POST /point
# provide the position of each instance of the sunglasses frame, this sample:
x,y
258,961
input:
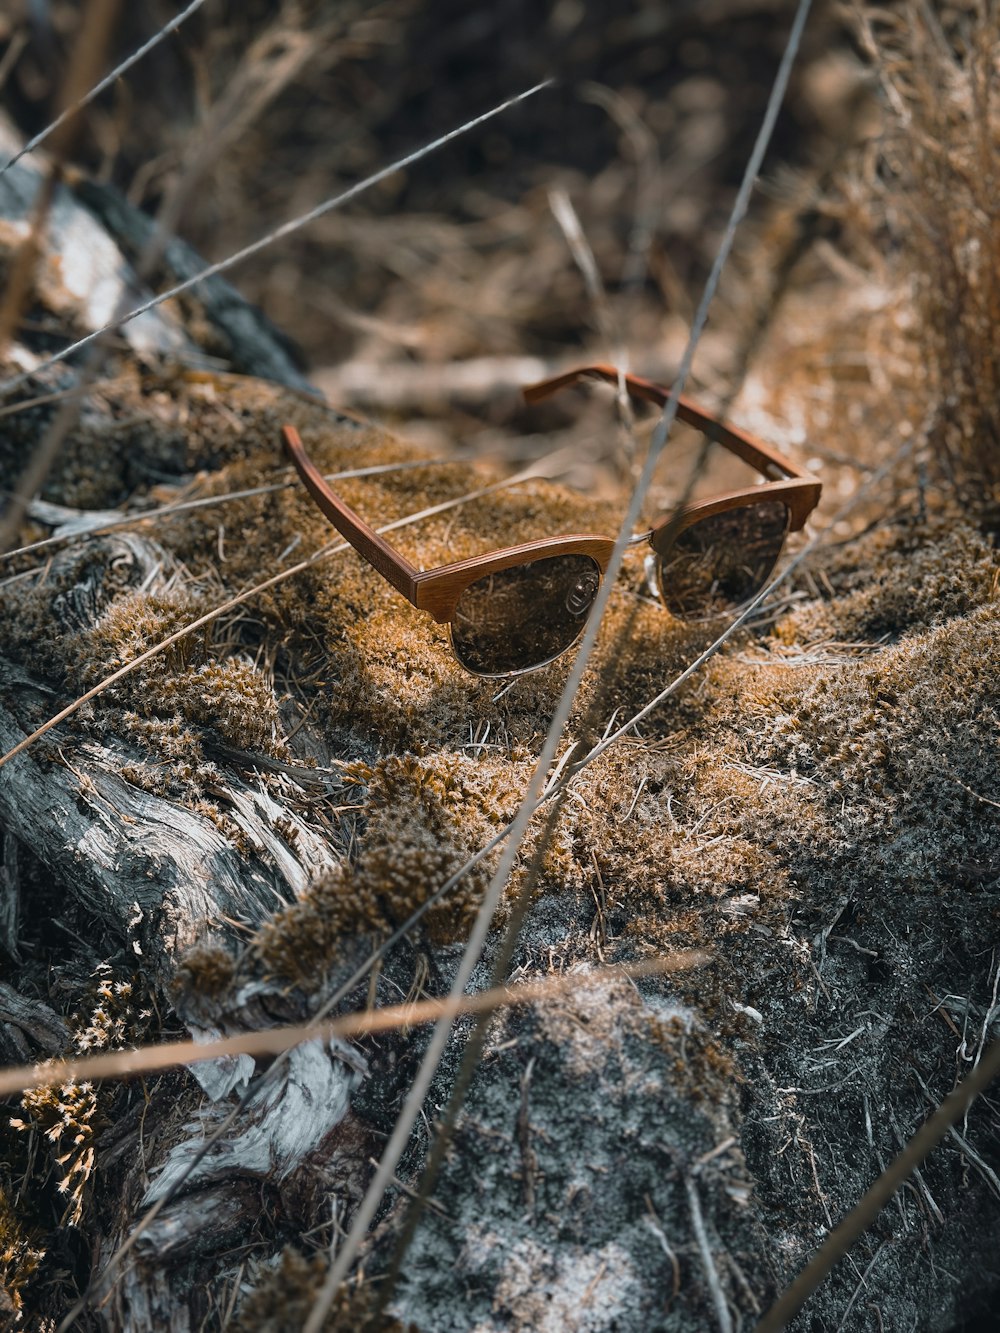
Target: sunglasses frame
x,y
437,591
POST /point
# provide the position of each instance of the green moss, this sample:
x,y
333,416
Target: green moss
x,y
904,575
420,820
204,975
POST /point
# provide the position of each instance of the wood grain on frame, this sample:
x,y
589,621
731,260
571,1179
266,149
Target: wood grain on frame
x,y
438,590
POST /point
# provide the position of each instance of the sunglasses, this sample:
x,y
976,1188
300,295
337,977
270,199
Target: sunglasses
x,y
518,609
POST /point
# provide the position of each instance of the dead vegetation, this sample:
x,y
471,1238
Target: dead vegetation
x,y
815,809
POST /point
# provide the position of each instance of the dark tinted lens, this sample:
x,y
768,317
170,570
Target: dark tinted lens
x,y
524,617
716,565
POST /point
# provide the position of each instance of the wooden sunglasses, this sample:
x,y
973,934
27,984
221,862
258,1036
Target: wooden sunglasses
x,y
520,608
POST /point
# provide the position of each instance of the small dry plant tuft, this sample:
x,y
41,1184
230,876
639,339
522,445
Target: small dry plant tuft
x,y
70,1115
19,1260
937,69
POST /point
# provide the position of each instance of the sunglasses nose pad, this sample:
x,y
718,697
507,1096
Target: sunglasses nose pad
x,y
581,595
652,569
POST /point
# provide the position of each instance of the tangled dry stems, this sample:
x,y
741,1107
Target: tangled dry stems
x,y
938,73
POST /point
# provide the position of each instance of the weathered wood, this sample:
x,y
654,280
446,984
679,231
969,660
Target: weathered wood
x,y
256,346
27,1025
153,876
83,273
152,872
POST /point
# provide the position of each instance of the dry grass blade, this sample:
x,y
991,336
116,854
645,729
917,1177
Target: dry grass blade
x,y
286,229
561,778
644,150
722,1315
100,525
477,1040
11,56
275,1041
86,98
42,400
566,215
240,598
418,1091
860,1218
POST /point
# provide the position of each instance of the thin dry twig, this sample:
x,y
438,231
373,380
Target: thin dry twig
x,y
23,404
719,1304
15,49
566,215
642,144
101,524
275,1041
864,1213
986,1171
322,554
655,1226
106,82
862,1282
277,234
418,1091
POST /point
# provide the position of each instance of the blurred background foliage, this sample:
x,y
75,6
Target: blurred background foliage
x,y
431,297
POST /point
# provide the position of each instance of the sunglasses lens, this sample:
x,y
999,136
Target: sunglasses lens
x,y
522,618
719,563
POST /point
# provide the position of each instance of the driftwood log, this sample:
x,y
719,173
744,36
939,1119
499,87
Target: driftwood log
x,y
213,845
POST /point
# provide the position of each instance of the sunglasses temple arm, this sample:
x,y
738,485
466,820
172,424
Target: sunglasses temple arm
x,y
753,451
393,567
